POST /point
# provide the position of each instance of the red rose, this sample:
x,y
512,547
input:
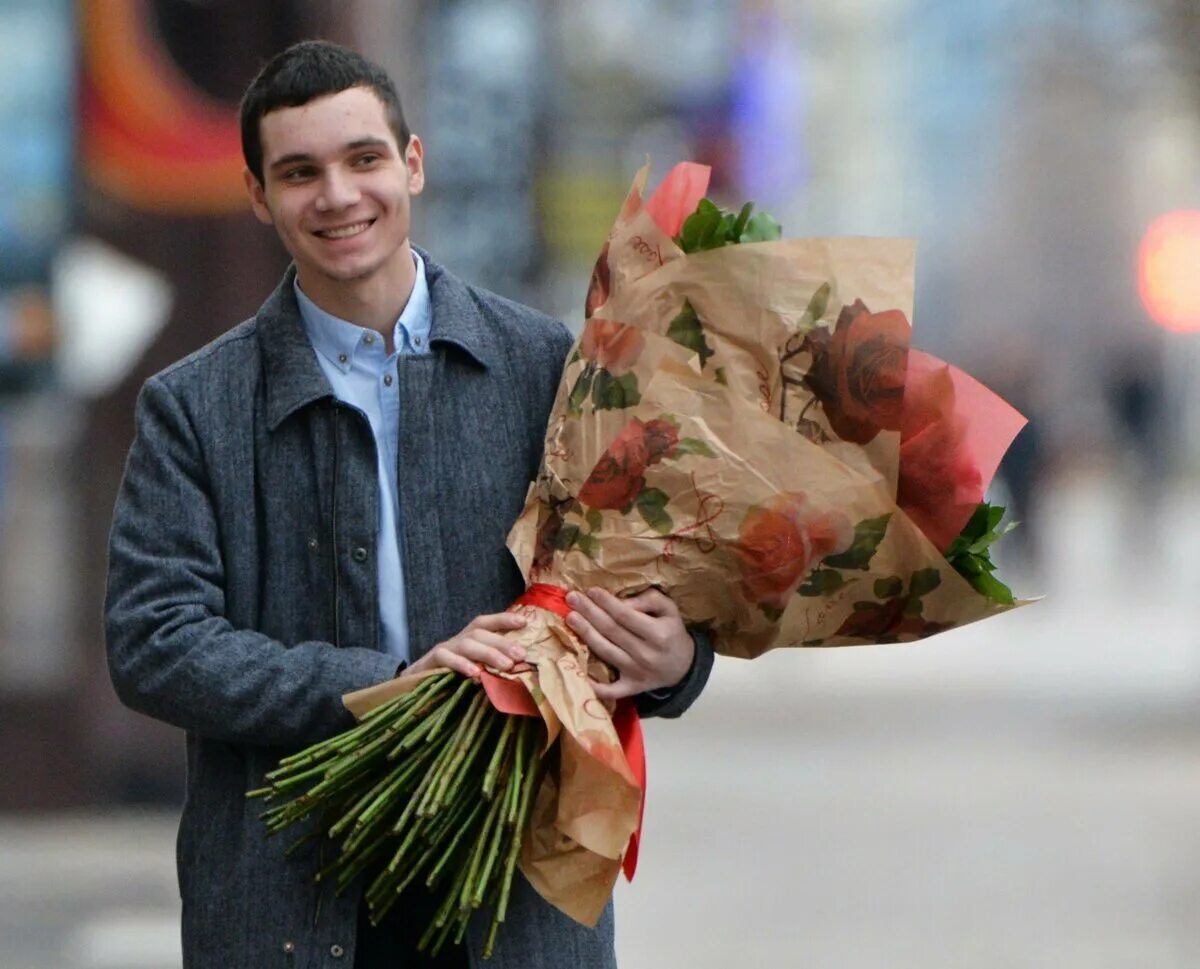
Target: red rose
x,y
619,476
661,436
858,371
780,540
614,346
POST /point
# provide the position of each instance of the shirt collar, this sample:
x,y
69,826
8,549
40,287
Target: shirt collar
x,y
337,339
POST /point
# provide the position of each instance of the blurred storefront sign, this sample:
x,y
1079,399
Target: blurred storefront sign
x,y
150,137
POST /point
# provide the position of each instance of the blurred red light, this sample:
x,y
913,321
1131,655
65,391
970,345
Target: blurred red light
x,y
1168,270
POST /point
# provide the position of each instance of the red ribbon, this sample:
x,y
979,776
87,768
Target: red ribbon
x,y
510,696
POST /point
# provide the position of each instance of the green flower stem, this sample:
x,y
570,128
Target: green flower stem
x,y
498,755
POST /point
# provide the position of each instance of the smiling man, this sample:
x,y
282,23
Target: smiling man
x,y
318,501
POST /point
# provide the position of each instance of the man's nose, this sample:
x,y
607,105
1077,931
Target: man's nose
x,y
338,191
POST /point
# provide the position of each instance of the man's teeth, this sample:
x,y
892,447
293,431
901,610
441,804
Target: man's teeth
x,y
345,231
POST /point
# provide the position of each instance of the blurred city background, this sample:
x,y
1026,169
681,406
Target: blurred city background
x,y
1020,793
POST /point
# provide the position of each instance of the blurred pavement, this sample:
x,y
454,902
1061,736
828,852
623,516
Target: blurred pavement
x,y
1018,793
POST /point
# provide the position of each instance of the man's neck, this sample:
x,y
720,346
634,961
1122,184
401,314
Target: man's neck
x,y
374,302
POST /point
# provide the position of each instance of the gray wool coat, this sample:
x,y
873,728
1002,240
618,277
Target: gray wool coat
x,y
242,590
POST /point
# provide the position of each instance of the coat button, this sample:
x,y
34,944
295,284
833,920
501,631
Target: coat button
x,y
336,951
313,543
289,947
360,554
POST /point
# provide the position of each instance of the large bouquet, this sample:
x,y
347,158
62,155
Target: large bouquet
x,y
742,424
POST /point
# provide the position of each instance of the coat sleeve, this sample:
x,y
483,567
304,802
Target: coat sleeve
x,y
172,654
675,701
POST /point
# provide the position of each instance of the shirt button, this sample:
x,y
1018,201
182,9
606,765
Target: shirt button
x,y
342,358
417,340
369,339
360,554
336,951
387,379
289,947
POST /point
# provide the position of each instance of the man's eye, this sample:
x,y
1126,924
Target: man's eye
x,y
296,174
368,159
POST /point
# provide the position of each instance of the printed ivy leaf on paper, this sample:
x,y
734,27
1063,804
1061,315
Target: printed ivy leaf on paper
x,y
589,545
593,519
686,330
579,393
719,373
615,393
567,536
893,585
868,533
651,505
822,582
692,445
818,304
924,581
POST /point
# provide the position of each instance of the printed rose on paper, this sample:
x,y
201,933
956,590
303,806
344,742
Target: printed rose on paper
x,y
858,371
779,541
612,345
620,474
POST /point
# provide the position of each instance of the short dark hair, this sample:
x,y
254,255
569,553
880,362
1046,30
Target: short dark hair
x,y
304,72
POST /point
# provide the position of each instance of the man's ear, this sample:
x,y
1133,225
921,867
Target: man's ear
x,y
414,161
258,198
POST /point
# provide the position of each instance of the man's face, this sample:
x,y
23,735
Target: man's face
x,y
336,186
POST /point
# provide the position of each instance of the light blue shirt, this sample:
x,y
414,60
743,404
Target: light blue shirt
x,y
361,374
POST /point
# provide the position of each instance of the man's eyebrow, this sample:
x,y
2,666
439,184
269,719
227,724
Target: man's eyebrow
x,y
293,158
303,157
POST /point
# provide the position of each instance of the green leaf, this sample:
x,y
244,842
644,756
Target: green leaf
x,y
773,613
889,588
761,228
579,393
711,227
686,330
693,445
821,582
970,552
913,606
739,225
614,393
719,373
698,225
923,581
589,545
567,536
867,536
651,504
593,519
993,588
575,357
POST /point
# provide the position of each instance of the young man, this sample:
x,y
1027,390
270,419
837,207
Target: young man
x,y
318,501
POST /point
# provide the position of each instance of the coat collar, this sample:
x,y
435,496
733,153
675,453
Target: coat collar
x,y
293,376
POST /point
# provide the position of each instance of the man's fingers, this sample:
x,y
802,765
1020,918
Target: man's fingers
x,y
652,602
597,617
611,692
500,643
498,622
447,658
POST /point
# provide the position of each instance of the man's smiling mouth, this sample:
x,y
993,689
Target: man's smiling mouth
x,y
345,231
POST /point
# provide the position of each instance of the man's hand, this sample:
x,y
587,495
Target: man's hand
x,y
643,638
477,646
